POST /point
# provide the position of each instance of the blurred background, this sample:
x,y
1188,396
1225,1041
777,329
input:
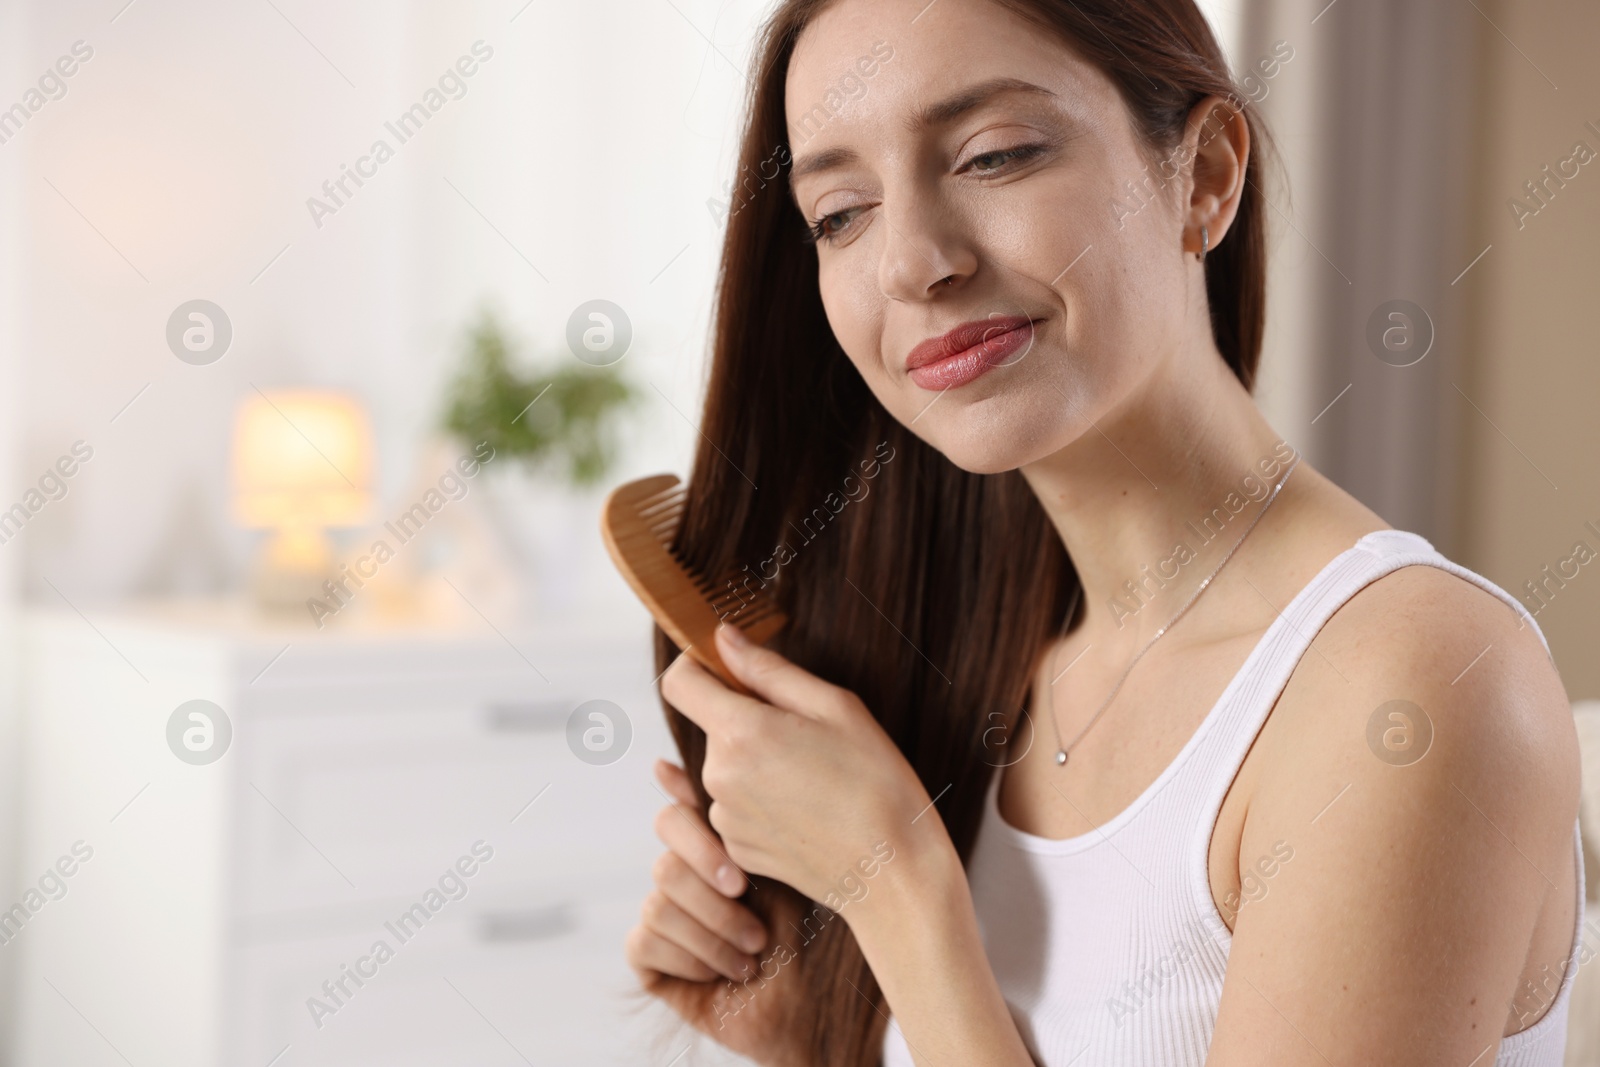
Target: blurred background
x,y
307,639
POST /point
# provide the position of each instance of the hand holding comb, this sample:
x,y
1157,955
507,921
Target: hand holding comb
x,y
638,524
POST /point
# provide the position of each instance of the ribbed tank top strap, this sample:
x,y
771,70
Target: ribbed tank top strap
x,y
1255,689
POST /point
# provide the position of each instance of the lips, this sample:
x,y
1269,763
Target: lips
x,y
968,351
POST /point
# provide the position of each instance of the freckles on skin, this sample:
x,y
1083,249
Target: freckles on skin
x,y
1008,235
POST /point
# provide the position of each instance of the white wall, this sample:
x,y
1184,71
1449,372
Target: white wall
x,y
12,272
191,141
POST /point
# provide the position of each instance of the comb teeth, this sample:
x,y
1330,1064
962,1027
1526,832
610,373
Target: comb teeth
x,y
639,524
751,610
662,515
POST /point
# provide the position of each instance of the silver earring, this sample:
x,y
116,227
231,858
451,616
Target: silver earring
x,y
1205,243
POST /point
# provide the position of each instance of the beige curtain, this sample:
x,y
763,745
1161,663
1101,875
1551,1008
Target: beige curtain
x,y
1372,117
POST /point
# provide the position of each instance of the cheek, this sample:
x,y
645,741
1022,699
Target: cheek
x,y
1111,281
1120,297
1040,229
855,308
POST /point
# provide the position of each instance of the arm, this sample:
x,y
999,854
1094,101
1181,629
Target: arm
x,y
919,932
807,788
1397,932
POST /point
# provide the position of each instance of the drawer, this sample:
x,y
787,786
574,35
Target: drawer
x,y
543,966
366,803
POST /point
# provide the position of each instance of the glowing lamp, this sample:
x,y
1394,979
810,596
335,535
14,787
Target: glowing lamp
x,y
302,463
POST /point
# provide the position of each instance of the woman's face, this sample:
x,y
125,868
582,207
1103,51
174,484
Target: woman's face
x,y
967,175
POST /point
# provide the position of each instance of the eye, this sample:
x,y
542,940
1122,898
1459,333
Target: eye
x,y
994,162
830,226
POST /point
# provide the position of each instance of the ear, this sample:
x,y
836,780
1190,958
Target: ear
x,y
1218,140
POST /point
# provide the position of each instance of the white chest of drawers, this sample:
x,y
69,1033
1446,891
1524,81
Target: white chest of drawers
x,y
363,766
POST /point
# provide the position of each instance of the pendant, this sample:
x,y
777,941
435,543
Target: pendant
x,y
1061,756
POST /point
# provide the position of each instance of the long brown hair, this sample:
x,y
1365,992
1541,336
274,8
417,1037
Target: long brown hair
x,y
931,593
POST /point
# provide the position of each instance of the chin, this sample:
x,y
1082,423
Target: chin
x,y
1000,433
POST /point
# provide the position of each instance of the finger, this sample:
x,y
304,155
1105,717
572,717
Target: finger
x,y
665,918
686,832
773,678
675,780
702,698
651,955
727,919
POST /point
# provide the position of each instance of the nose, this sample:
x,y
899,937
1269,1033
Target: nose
x,y
924,253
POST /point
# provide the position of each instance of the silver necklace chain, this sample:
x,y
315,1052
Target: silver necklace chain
x,y
1062,750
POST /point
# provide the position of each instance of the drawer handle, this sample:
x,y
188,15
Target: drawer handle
x,y
544,716
530,924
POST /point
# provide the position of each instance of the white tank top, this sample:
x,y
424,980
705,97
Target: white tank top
x,y
1107,946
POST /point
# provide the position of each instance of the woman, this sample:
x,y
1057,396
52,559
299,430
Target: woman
x,y
980,422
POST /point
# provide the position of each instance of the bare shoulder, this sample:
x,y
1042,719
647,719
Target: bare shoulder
x,y
1421,770
1424,669
1430,637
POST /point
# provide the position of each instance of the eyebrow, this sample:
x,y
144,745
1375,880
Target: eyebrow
x,y
964,101
820,161
938,114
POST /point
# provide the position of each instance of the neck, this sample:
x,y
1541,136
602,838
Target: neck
x,y
1151,496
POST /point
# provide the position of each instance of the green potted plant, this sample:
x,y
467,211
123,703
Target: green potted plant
x,y
560,425
563,419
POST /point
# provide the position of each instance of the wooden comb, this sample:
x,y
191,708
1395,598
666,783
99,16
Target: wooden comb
x,y
638,525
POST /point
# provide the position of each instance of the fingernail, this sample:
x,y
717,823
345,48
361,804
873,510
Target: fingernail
x,y
734,636
728,880
752,938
